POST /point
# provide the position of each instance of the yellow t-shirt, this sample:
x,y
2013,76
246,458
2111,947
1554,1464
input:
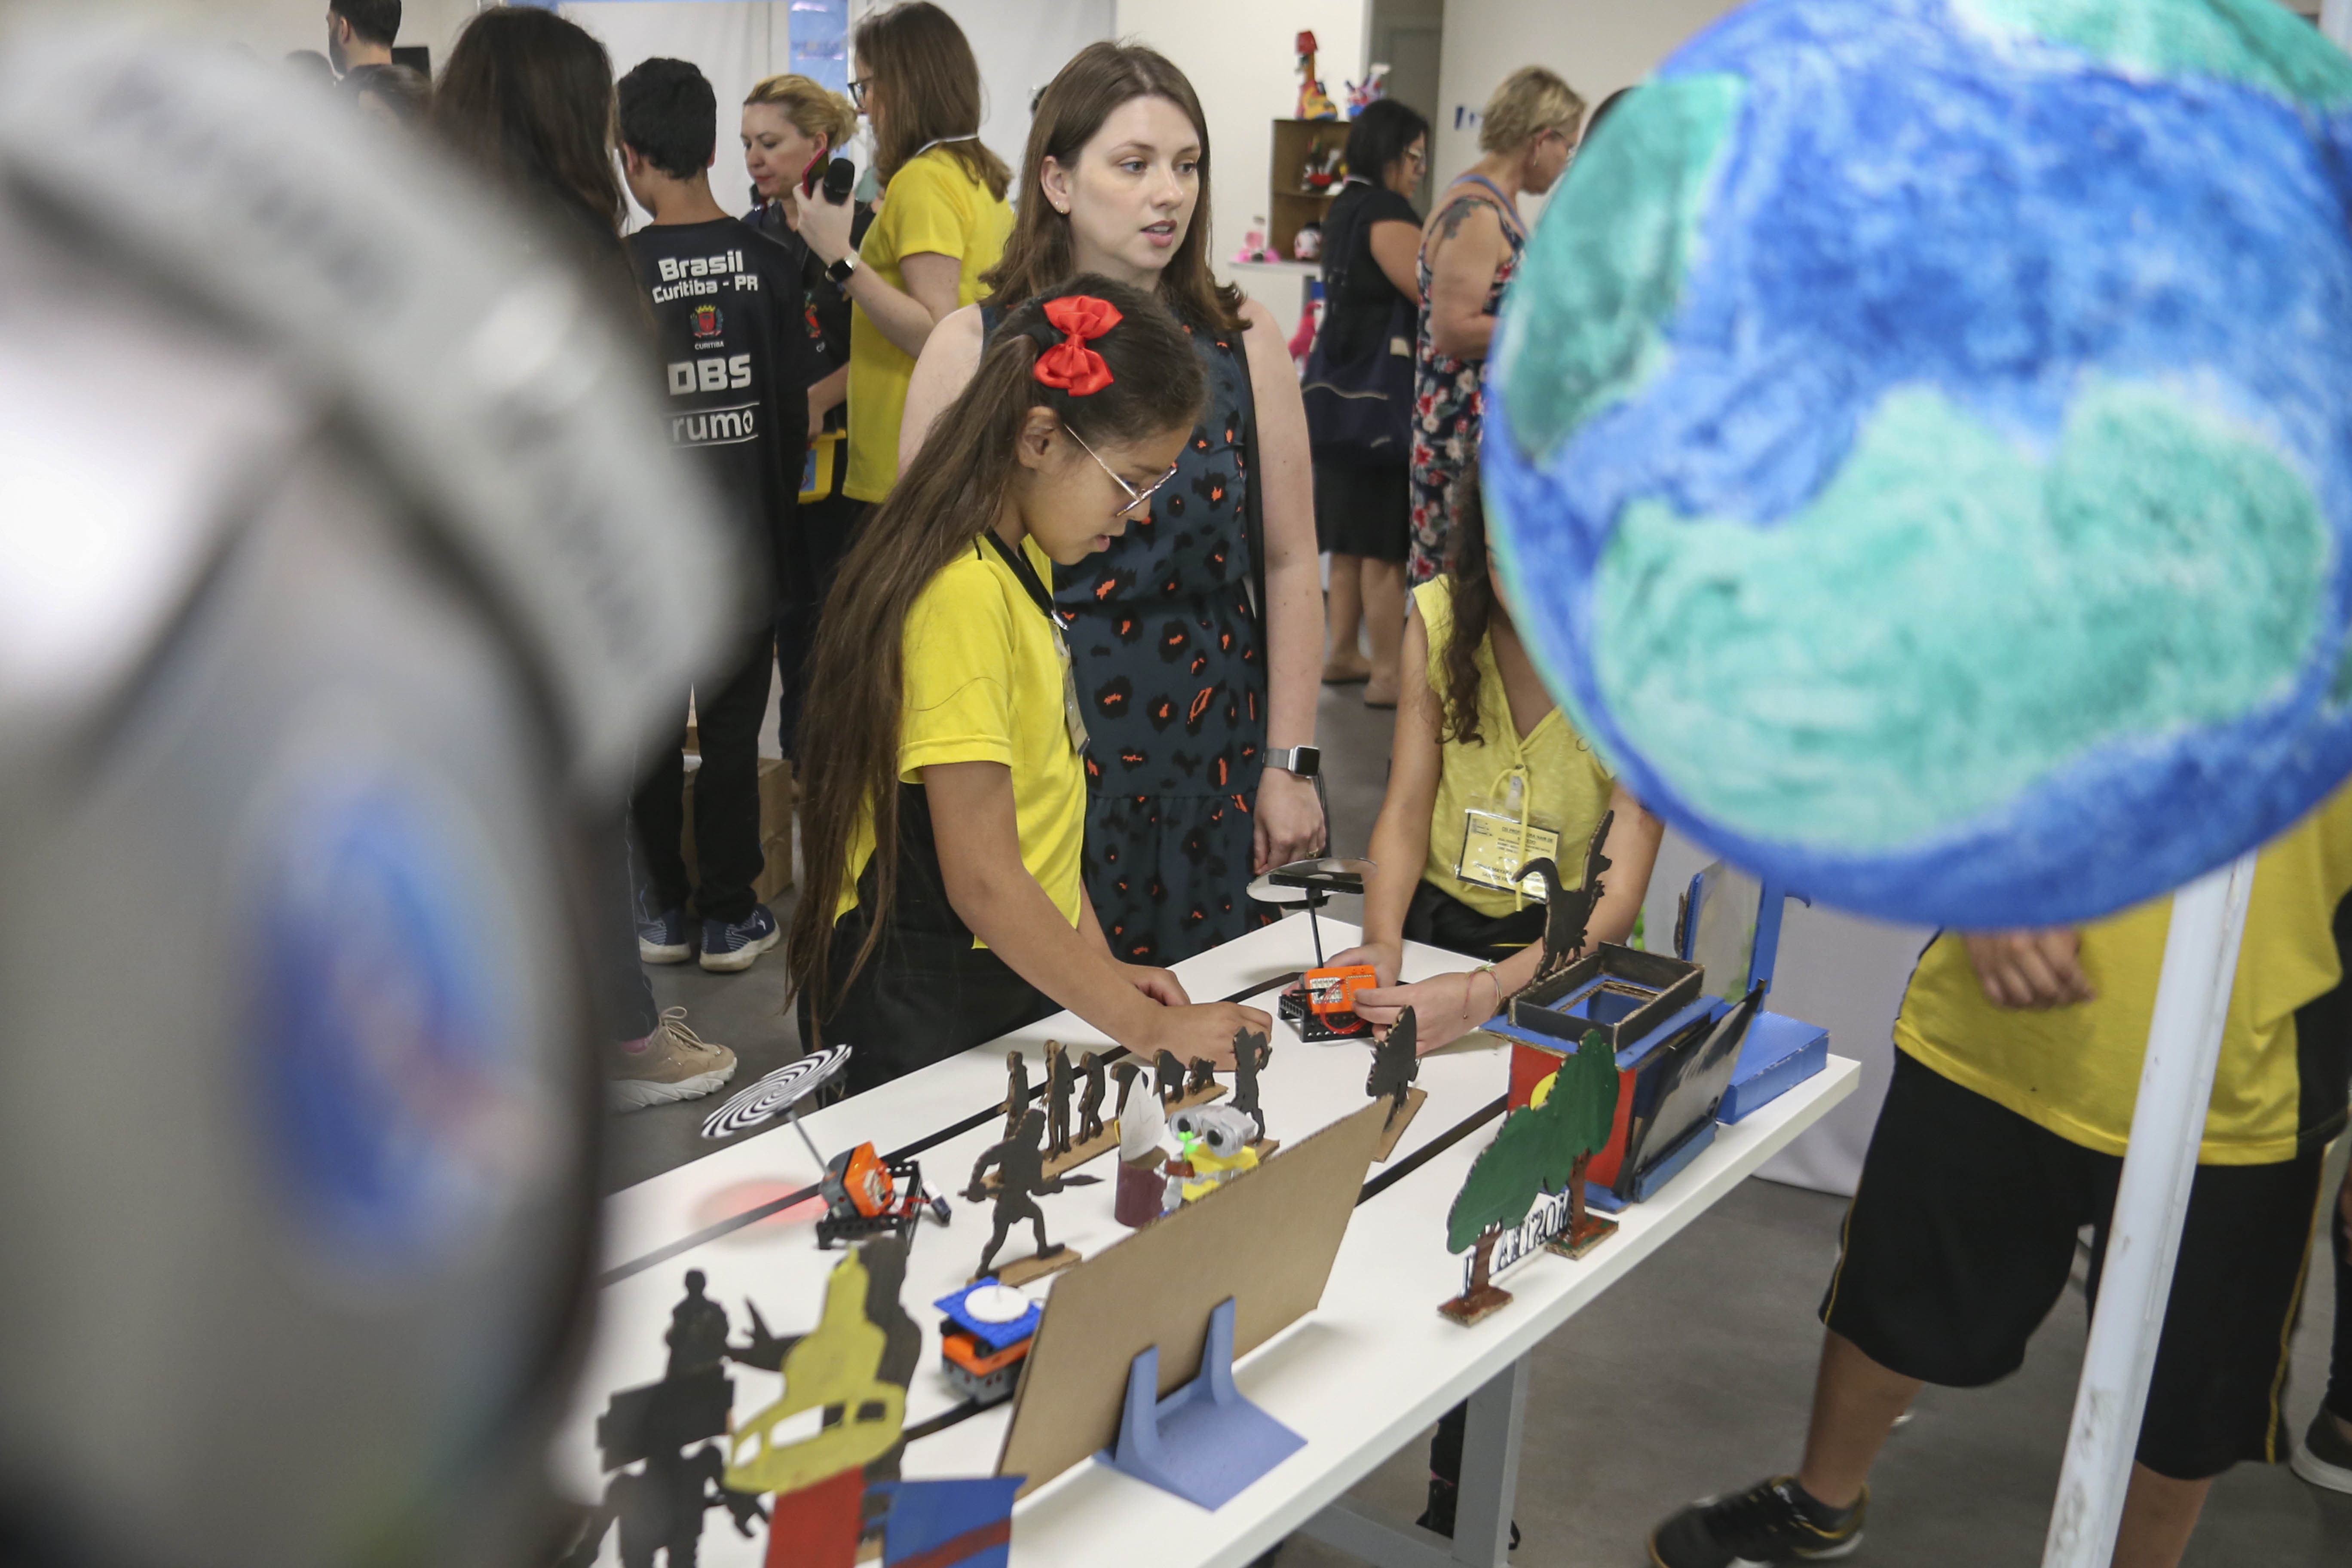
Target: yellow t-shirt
x,y
2075,1070
1563,786
932,205
985,684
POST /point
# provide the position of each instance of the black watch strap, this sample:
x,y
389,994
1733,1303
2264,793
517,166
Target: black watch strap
x,y
838,273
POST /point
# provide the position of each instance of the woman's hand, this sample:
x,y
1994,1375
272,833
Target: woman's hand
x,y
823,227
1386,958
1204,1031
1288,821
1445,1007
2031,969
1160,984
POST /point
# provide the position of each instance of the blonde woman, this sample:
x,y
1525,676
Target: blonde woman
x,y
791,127
1469,249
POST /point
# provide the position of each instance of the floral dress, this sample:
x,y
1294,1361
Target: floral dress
x,y
1172,675
1448,404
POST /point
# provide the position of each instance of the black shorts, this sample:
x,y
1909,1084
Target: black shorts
x,y
1963,1231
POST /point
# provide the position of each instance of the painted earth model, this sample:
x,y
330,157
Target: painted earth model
x,y
1922,445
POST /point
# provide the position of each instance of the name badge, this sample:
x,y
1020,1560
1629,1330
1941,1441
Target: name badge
x,y
1495,846
1074,718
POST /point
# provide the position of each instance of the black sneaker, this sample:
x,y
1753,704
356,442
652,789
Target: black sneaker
x,y
1770,1523
2324,1457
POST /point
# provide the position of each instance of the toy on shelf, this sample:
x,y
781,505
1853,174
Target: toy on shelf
x,y
1020,1164
865,1196
1307,245
1314,103
1372,88
1396,1062
1322,173
1541,1150
1213,1147
986,1336
1253,246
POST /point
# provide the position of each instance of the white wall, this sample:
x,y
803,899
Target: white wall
x,y
734,43
1238,56
1599,46
272,28
1020,44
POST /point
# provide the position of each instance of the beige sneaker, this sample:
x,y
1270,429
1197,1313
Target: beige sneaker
x,y
675,1063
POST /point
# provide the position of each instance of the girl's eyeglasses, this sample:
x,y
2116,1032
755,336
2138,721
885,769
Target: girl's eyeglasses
x,y
1135,498
857,94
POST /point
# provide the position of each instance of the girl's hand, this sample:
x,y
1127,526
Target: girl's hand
x,y
1205,1030
1446,1007
1289,820
824,227
1386,959
1160,985
2031,970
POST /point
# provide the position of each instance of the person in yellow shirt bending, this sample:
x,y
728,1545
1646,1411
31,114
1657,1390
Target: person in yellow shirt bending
x,y
946,787
2018,1061
942,222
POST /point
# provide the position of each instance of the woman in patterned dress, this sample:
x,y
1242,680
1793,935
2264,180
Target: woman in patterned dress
x,y
1468,251
1185,689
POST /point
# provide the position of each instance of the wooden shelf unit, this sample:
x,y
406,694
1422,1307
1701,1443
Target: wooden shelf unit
x,y
1290,206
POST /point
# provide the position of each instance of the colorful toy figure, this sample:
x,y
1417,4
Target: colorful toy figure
x,y
1373,88
1314,103
986,1338
1214,1147
865,1196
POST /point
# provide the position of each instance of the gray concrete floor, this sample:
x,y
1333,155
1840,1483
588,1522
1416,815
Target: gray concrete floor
x,y
1695,1374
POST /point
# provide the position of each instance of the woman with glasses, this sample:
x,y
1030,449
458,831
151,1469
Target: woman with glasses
x,y
1468,252
1371,244
1188,694
939,226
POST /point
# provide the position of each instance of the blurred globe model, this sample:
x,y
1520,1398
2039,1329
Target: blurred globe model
x,y
340,572
1922,443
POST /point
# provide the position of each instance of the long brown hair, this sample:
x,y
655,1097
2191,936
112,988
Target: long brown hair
x,y
1473,605
857,681
527,96
1072,108
930,91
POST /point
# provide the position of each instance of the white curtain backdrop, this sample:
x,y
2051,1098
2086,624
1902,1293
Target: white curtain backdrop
x,y
735,42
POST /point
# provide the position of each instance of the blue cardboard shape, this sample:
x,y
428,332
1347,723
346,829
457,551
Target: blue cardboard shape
x,y
1204,1442
1780,1054
949,1524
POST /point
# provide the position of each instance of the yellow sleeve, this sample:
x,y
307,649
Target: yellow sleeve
x,y
931,208
959,672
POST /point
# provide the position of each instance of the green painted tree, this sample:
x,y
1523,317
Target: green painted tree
x,y
1542,1148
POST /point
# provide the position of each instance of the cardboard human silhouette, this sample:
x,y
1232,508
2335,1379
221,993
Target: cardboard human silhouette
x,y
1396,1061
1129,1072
1060,1089
1020,1165
1090,1121
1252,1051
1016,1091
1168,1078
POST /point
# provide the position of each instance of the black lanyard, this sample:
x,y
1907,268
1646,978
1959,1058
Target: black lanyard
x,y
1018,560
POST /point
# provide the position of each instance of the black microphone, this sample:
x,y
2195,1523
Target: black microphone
x,y
840,175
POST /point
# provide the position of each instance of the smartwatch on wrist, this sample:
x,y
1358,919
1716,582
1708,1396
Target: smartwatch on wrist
x,y
1305,761
838,273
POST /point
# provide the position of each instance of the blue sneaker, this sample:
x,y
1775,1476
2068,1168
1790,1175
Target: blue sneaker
x,y
661,938
728,948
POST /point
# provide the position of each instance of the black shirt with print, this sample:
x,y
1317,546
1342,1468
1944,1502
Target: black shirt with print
x,y
735,361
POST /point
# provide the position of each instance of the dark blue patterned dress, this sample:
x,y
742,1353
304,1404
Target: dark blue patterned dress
x,y
1172,674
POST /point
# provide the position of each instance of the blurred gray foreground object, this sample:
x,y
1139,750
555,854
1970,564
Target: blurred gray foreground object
x,y
341,569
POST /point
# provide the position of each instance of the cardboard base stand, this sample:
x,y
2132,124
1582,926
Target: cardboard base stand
x,y
1204,1442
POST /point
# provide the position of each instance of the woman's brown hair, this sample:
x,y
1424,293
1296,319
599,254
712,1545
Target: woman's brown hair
x,y
817,114
1069,113
930,91
527,96
1473,605
857,681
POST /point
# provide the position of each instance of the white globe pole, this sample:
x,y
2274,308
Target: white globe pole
x,y
2176,1086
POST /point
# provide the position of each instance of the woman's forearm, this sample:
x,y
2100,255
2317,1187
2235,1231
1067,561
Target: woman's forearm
x,y
1295,650
897,315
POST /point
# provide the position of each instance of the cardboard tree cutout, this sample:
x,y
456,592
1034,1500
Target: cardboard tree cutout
x,y
1587,1085
1540,1149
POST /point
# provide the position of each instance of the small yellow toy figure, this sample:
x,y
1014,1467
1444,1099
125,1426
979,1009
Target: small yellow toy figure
x,y
1314,103
1214,1147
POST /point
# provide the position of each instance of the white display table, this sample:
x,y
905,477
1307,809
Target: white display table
x,y
1357,1378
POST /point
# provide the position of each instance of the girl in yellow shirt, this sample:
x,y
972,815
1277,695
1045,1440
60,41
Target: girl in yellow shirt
x,y
946,788
1485,774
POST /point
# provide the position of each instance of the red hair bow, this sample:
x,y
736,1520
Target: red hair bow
x,y
1069,364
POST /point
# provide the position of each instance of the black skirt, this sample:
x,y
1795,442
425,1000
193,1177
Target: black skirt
x,y
1363,510
1439,919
